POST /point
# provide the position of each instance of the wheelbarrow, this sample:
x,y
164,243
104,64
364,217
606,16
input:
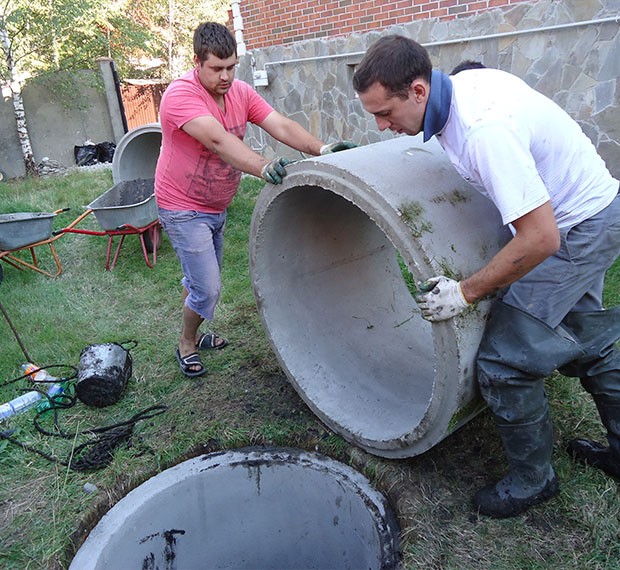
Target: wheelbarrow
x,y
127,208
25,231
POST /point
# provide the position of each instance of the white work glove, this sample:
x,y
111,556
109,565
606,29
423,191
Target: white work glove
x,y
440,298
337,147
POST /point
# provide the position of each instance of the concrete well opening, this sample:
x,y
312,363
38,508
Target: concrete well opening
x,y
328,249
251,508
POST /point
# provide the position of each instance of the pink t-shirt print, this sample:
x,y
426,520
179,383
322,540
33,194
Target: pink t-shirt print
x,y
188,175
214,181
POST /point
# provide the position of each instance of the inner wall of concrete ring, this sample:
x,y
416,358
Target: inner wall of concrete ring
x,y
248,508
136,154
324,261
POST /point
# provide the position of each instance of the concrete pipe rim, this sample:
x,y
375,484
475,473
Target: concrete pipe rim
x,y
327,249
261,474
142,162
441,333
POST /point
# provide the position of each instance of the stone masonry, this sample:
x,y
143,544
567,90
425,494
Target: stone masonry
x,y
569,50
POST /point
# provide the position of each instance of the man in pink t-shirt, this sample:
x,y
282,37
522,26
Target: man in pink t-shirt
x,y
203,119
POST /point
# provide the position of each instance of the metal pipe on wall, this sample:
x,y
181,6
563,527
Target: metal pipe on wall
x,y
555,27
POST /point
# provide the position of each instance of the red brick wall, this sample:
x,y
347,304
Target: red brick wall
x,y
277,22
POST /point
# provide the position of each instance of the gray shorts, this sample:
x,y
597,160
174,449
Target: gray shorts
x,y
571,279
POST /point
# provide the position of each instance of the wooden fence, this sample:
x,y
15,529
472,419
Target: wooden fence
x,y
141,102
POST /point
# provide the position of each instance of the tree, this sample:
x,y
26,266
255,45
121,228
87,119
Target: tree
x,y
11,24
172,23
38,37
47,36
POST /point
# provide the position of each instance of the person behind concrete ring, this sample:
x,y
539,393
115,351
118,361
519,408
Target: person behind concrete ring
x,y
203,118
543,174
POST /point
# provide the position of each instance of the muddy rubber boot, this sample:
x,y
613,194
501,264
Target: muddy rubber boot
x,y
530,479
595,454
599,373
516,353
589,452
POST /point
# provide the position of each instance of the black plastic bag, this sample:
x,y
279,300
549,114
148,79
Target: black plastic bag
x,y
105,151
85,155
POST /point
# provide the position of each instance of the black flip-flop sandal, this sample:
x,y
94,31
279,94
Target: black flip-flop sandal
x,y
187,362
207,341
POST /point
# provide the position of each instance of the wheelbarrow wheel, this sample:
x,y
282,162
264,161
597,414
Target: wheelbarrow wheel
x,y
152,238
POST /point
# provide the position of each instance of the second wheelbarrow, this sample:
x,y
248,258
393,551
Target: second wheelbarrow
x,y
127,208
26,231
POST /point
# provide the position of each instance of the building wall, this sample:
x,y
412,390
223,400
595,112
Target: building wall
x,y
276,22
569,50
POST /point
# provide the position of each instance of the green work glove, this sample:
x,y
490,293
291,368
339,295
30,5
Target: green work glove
x,y
337,147
274,171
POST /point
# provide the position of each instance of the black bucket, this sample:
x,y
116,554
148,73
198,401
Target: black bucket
x,y
103,373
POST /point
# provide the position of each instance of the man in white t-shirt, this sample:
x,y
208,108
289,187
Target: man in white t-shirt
x,y
203,119
550,186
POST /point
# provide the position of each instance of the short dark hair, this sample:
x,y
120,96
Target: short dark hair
x,y
211,37
467,64
394,61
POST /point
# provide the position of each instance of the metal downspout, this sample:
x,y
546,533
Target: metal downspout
x,y
238,27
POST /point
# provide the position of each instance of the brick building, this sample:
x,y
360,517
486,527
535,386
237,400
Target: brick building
x,y
276,22
301,55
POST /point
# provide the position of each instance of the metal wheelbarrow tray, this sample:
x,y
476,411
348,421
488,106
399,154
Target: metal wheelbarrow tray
x,y
129,203
24,232
24,228
129,207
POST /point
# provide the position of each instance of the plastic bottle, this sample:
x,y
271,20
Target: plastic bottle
x,y
53,391
30,399
37,374
20,404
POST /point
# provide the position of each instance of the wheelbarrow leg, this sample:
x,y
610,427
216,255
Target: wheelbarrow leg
x,y
110,266
152,232
22,264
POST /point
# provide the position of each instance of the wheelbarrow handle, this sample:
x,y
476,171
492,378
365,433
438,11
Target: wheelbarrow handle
x,y
72,224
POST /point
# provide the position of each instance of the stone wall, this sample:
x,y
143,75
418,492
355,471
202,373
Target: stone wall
x,y
568,50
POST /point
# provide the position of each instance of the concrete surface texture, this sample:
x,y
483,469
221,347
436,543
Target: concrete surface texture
x,y
136,153
252,508
62,111
324,261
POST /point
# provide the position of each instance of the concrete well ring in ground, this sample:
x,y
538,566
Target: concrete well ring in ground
x,y
267,508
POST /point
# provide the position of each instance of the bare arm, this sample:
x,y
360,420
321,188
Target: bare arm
x,y
537,237
228,147
291,133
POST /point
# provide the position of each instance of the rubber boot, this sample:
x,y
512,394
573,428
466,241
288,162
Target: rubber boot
x,y
599,373
516,353
530,479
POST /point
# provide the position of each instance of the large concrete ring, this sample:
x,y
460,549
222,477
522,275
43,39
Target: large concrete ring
x,y
248,509
137,153
327,251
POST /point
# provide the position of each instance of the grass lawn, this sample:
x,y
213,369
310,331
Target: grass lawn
x,y
47,509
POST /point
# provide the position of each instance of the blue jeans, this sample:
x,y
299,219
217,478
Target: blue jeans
x,y
198,241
